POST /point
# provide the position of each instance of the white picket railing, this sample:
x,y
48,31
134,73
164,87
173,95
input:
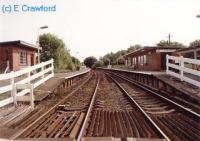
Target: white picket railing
x,y
176,66
36,75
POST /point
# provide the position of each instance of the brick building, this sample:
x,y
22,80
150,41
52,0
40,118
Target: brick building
x,y
149,58
18,53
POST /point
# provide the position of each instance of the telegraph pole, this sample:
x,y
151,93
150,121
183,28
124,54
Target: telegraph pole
x,y
169,39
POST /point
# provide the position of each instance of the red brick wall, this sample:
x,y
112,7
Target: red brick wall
x,y
5,54
153,61
12,53
16,57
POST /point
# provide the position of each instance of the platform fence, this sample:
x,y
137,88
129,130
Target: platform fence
x,y
185,69
35,75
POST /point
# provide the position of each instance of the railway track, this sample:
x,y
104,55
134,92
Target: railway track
x,y
109,105
65,118
21,120
91,112
177,122
114,115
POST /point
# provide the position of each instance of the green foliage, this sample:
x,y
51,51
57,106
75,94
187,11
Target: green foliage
x,y
172,44
133,48
121,61
99,63
195,43
118,57
53,47
90,61
76,63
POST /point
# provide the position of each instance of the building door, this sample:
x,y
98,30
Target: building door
x,y
32,60
163,61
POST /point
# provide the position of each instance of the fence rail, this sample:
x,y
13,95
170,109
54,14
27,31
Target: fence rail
x,y
183,68
36,75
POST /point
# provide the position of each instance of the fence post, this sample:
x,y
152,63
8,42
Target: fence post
x,y
52,71
13,91
32,96
42,69
181,67
167,61
29,74
8,65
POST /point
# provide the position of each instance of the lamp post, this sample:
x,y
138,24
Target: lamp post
x,y
37,42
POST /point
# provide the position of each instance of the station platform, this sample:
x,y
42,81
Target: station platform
x,y
42,91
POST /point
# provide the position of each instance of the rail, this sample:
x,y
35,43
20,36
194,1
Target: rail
x,y
144,104
177,66
160,96
36,75
143,112
51,110
88,113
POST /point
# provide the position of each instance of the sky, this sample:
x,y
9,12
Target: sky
x,y
97,27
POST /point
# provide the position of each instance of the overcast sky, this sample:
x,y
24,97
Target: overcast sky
x,y
96,27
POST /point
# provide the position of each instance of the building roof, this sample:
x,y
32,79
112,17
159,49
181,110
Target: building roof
x,y
149,48
20,43
183,50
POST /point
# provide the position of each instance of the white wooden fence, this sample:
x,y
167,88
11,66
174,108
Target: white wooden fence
x,y
36,75
178,67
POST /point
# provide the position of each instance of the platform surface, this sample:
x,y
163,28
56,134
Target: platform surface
x,y
136,71
50,85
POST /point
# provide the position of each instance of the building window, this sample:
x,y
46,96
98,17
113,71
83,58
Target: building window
x,y
138,59
129,61
23,57
141,60
145,59
134,60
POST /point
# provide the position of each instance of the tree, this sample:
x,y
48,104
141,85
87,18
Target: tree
x,y
163,43
90,61
118,57
53,47
76,62
121,61
133,48
195,43
106,61
99,63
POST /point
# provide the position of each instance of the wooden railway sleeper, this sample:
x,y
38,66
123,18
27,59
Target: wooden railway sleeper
x,y
187,129
175,131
